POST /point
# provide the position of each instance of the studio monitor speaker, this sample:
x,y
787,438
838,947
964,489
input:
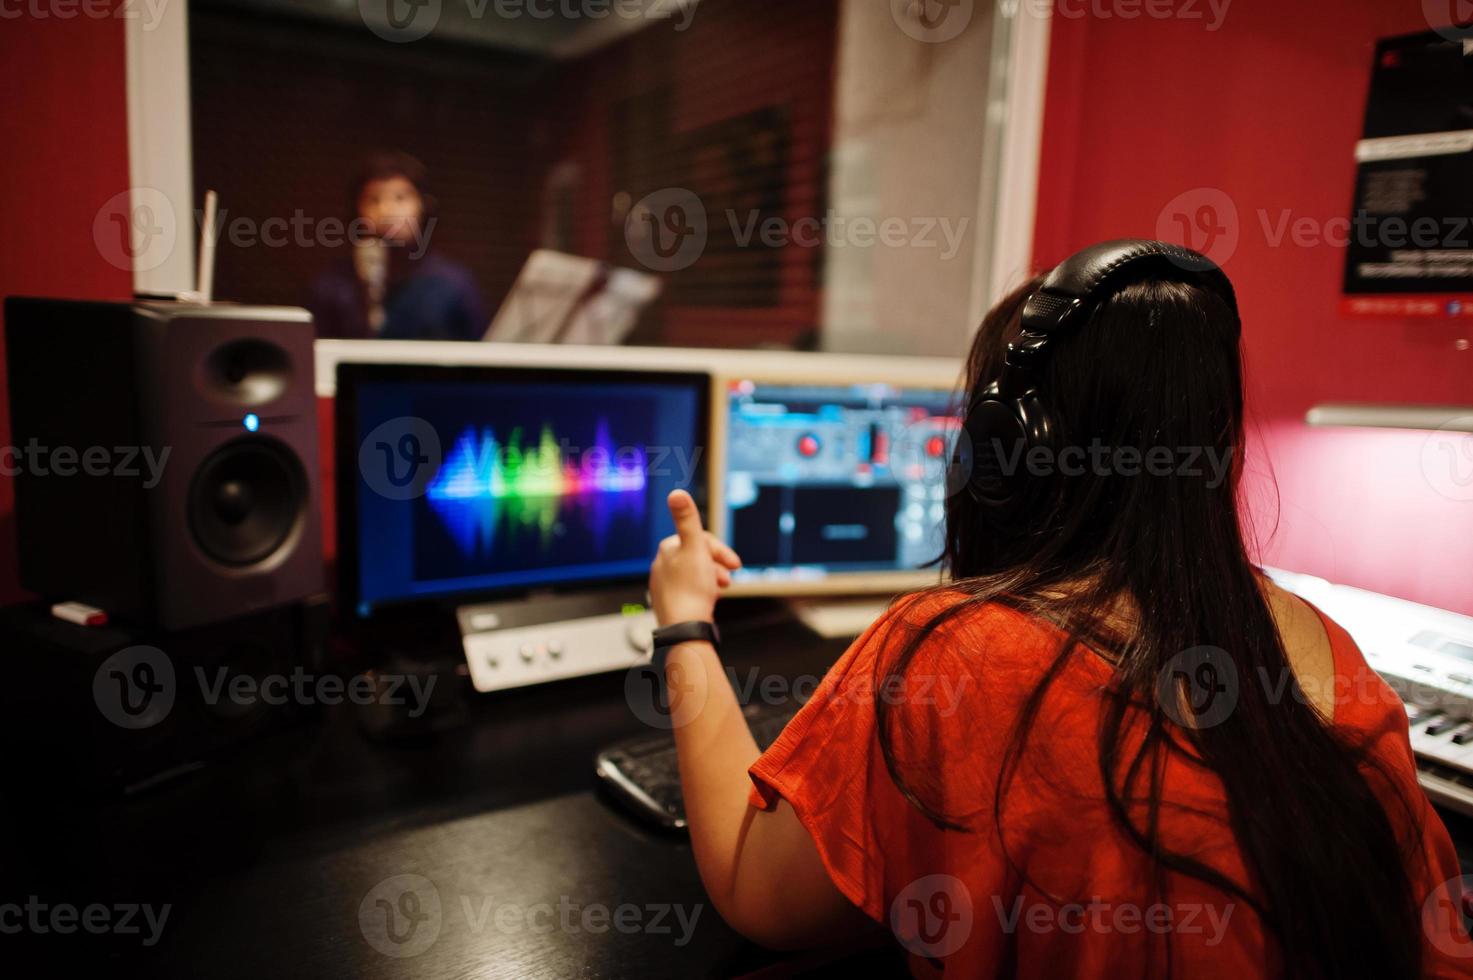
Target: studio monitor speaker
x,y
165,457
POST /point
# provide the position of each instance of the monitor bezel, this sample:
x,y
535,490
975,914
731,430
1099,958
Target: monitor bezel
x,y
350,375
838,583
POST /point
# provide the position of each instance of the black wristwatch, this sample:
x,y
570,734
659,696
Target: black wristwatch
x,y
667,637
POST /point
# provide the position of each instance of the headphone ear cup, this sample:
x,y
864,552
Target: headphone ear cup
x,y
997,443
1001,434
1037,426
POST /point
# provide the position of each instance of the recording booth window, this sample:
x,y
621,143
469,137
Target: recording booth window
x,y
757,123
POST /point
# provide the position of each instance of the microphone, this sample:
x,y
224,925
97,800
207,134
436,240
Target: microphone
x,y
371,263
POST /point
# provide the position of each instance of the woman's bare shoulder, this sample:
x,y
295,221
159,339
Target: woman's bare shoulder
x,y
1307,644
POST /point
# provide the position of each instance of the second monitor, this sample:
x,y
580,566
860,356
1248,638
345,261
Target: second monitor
x,y
833,487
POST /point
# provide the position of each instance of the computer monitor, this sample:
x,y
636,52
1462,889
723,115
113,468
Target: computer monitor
x,y
833,487
458,484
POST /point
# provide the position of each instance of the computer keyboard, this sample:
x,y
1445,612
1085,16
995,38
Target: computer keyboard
x,y
642,771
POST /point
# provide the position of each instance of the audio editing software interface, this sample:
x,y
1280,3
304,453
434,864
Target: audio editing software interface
x,y
836,478
479,485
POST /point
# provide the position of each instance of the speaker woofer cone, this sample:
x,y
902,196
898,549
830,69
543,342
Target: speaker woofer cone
x,y
247,500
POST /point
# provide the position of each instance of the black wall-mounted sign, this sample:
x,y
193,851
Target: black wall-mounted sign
x,y
1410,247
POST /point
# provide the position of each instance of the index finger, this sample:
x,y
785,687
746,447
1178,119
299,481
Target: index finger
x,y
687,518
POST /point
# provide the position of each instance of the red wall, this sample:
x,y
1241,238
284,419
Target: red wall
x,y
64,129
1264,113
1266,110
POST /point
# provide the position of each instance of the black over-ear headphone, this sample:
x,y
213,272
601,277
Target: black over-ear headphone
x,y
1011,416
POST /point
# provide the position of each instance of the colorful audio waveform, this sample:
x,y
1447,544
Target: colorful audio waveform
x,y
484,485
480,467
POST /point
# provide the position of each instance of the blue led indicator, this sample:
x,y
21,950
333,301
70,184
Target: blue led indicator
x,y
252,422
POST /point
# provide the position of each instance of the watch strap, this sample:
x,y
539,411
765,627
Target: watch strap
x,y
668,637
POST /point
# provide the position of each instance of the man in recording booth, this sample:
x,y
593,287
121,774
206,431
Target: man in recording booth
x,y
393,286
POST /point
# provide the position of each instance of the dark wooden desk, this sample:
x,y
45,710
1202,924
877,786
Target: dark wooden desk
x,y
267,858
561,888
273,861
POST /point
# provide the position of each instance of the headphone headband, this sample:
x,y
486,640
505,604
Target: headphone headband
x,y
1013,411
1078,285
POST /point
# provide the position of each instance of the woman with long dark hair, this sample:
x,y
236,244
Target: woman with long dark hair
x,y
1107,744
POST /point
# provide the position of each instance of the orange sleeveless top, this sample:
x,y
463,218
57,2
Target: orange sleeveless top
x,y
1059,891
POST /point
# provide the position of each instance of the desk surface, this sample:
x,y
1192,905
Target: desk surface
x,y
290,858
562,888
266,859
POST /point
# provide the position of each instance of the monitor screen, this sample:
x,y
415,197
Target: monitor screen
x,y
823,480
476,482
